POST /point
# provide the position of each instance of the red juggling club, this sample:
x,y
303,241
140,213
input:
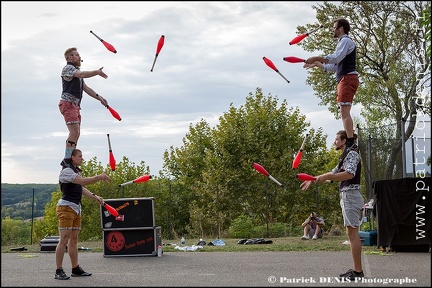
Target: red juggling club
x,y
140,179
263,171
114,113
112,161
160,44
107,45
299,155
293,59
299,38
110,209
272,66
307,177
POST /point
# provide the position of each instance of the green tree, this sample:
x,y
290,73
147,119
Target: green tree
x,y
183,166
15,232
220,184
425,23
392,62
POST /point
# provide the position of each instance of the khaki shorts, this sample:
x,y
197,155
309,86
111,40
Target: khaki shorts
x,y
70,112
68,218
346,89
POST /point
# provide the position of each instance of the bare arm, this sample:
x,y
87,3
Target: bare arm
x,y
340,176
306,221
320,223
93,94
88,74
83,181
93,196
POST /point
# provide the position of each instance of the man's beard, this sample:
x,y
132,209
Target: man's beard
x,y
338,148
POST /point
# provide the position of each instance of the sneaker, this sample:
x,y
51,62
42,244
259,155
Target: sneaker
x,y
351,275
305,237
61,275
315,237
343,274
78,271
66,163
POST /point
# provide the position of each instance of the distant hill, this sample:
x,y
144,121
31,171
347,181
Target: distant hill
x,y
17,199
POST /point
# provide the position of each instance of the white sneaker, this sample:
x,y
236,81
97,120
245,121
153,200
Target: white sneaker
x,y
305,237
314,237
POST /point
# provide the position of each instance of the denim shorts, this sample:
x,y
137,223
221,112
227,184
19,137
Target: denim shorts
x,y
68,218
352,203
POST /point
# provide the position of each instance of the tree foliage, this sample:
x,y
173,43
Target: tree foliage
x,y
215,167
425,23
392,60
17,199
14,232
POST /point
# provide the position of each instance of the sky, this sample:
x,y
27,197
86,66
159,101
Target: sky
x,y
212,57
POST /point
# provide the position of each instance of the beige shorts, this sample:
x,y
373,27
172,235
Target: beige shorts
x,y
68,218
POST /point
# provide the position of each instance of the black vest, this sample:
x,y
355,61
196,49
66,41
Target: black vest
x,y
70,191
354,180
74,87
347,65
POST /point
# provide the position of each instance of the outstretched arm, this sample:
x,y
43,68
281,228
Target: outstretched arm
x,y
93,196
91,180
88,74
93,94
340,176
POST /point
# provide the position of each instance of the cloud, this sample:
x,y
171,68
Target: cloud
x,y
212,57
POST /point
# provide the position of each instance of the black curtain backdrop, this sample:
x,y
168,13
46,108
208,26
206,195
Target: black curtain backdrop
x,y
403,211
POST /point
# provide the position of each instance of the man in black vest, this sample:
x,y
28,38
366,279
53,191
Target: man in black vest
x,y
343,63
70,101
68,212
347,172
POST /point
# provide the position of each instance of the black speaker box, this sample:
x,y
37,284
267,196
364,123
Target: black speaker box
x,y
133,213
49,244
132,242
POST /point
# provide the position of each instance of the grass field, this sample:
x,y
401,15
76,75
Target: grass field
x,y
327,243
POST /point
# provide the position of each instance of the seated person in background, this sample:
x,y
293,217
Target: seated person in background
x,y
313,227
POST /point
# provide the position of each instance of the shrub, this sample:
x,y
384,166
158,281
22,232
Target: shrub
x,y
241,227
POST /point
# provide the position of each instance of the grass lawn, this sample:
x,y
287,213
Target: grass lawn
x,y
327,243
